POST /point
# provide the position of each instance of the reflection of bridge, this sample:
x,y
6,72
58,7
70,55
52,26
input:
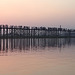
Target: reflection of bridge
x,y
13,45
34,32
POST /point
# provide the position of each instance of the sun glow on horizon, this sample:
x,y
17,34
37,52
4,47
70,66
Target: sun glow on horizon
x,y
36,12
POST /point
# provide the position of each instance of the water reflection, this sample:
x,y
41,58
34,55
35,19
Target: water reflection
x,y
34,44
57,56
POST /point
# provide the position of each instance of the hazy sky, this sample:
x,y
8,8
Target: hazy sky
x,y
38,12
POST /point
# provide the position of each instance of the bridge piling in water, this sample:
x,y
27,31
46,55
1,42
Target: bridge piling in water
x,y
34,32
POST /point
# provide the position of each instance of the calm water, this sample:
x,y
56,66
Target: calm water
x,y
37,56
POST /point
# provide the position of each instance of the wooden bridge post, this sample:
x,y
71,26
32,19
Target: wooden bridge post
x,y
33,31
48,31
29,32
0,44
14,31
20,31
3,31
0,31
6,31
24,31
45,32
56,32
38,32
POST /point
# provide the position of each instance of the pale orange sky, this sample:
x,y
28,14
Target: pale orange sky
x,y
38,12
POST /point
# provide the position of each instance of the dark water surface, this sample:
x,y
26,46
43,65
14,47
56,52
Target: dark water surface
x,y
37,56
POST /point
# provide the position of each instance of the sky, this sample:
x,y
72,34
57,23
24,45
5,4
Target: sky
x,y
52,13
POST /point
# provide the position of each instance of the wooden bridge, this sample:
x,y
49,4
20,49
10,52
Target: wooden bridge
x,y
34,32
